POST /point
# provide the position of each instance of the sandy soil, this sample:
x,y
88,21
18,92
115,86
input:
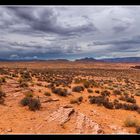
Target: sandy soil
x,y
16,119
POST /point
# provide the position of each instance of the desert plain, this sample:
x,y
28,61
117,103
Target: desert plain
x,y
56,97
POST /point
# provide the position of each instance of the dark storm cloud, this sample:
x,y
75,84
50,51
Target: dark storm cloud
x,y
41,31
45,21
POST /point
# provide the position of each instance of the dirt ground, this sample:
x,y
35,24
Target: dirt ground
x,y
18,119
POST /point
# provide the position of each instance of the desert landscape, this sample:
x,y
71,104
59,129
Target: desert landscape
x,y
45,97
69,69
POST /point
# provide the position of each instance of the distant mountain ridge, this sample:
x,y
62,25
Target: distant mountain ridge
x,y
124,59
86,59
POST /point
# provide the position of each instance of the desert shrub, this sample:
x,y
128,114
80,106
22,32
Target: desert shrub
x,y
89,96
105,93
122,98
50,85
118,105
74,101
130,107
2,93
23,84
138,129
131,100
60,91
99,100
86,84
97,91
39,90
2,100
128,99
77,100
108,105
130,122
26,75
2,80
29,94
80,99
137,93
138,110
25,101
117,92
39,84
78,89
13,75
47,94
34,104
116,101
2,96
90,90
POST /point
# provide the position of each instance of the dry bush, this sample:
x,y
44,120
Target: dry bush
x,y
90,90
108,105
2,96
105,93
2,80
34,104
25,101
78,89
131,122
60,91
97,91
29,94
86,84
137,93
77,100
117,92
138,129
47,94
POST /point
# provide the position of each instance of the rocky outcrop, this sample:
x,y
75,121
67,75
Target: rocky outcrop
x,y
62,115
85,125
81,123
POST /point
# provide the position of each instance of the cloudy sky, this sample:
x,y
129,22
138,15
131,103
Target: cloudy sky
x,y
49,32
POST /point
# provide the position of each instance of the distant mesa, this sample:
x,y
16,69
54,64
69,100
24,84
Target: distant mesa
x,y
87,59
